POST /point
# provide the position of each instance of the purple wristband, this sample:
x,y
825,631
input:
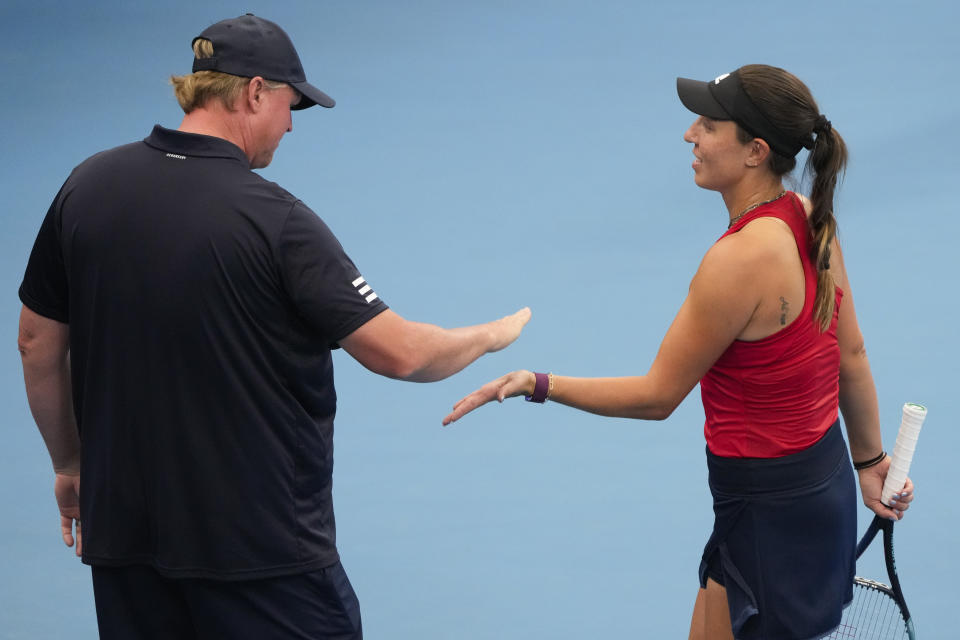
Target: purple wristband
x,y
540,389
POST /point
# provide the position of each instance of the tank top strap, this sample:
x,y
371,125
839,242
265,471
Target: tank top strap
x,y
788,208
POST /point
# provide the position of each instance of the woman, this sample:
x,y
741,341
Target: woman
x,y
769,331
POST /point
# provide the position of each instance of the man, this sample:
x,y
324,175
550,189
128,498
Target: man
x,y
179,313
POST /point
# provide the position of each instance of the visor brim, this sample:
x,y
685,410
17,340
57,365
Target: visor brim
x,y
696,96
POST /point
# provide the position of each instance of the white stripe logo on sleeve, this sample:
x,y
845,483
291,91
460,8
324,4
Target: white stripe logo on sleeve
x,y
364,289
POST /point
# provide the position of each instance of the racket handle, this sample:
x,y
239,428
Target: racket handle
x,y
910,423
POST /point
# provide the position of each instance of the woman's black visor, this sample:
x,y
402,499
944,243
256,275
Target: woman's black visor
x,y
725,99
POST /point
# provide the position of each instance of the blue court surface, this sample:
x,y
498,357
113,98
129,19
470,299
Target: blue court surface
x,y
484,156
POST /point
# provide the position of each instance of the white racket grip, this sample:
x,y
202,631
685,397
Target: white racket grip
x,y
910,423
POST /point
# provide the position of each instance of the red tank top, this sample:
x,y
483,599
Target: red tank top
x,y
778,395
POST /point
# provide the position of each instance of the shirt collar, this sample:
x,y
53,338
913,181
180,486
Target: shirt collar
x,y
194,144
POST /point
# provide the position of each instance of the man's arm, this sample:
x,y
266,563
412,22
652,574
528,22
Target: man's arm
x,y
44,350
417,352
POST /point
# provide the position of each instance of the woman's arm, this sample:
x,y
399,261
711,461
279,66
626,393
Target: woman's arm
x,y
858,401
723,297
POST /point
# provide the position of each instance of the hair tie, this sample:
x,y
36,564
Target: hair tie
x,y
821,125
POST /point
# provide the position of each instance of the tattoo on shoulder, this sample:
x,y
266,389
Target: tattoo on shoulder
x,y
784,307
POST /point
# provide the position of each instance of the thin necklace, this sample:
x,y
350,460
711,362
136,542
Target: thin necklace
x,y
754,206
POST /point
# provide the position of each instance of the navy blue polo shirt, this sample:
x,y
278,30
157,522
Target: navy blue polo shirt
x,y
203,302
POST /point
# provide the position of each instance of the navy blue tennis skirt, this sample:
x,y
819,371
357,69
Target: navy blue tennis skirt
x,y
784,539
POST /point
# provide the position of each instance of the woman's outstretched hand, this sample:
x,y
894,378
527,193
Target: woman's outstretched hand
x,y
517,383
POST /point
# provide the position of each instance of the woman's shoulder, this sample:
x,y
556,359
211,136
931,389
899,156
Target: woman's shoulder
x,y
758,239
746,253
752,260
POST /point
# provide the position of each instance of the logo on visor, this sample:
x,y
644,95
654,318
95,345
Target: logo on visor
x,y
719,78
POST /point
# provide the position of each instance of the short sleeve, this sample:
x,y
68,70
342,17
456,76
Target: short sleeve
x,y
45,288
324,285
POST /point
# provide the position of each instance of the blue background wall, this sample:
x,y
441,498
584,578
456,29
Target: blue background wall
x,y
488,155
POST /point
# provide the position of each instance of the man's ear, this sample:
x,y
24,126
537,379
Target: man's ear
x,y
253,93
759,152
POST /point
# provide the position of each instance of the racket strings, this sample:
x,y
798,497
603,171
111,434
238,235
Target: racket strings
x,y
873,614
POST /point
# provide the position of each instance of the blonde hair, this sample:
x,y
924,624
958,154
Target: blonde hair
x,y
196,89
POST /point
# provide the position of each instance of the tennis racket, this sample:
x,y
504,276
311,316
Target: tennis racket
x,y
878,610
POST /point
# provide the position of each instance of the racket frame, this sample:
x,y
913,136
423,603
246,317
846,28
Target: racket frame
x,y
893,590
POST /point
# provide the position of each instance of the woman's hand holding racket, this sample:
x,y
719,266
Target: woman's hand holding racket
x,y
516,383
885,487
871,486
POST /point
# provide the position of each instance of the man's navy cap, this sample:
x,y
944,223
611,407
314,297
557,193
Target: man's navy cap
x,y
249,46
725,99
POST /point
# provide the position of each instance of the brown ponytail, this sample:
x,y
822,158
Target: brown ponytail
x,y
790,107
826,163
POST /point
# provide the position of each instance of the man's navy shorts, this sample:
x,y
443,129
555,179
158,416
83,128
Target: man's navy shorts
x,y
137,603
